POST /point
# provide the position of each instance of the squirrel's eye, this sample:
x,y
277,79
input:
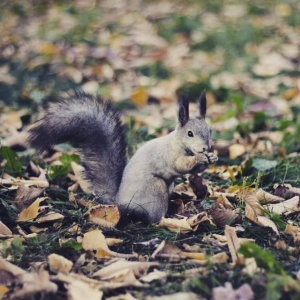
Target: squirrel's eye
x,y
190,134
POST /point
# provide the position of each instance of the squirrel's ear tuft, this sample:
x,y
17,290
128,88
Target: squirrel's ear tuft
x,y
183,111
202,104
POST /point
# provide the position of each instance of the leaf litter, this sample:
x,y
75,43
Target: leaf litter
x,y
236,222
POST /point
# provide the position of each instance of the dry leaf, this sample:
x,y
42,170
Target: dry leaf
x,y
113,241
193,255
78,171
4,230
219,258
236,150
287,207
104,215
78,290
176,296
121,267
294,231
58,263
167,250
34,283
233,242
266,197
50,216
32,211
3,290
155,275
176,225
93,240
254,213
26,195
139,96
220,215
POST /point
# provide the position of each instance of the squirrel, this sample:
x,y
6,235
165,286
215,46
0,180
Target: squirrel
x,y
141,187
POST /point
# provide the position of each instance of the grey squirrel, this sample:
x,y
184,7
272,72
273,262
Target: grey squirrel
x,y
140,188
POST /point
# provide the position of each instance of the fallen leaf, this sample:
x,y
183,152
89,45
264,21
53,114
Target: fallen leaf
x,y
221,215
82,182
236,150
78,290
50,216
176,225
32,211
176,296
104,215
3,290
121,267
287,207
167,250
253,211
26,195
4,230
265,197
93,240
139,96
155,275
58,263
233,242
34,283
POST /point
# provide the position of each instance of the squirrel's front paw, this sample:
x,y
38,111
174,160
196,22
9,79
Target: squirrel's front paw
x,y
211,157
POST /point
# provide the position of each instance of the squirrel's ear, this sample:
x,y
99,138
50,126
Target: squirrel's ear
x,y
202,104
183,111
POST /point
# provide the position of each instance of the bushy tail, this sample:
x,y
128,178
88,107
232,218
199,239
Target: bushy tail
x,y
94,128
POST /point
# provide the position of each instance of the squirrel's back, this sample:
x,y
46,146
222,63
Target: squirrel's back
x,y
94,128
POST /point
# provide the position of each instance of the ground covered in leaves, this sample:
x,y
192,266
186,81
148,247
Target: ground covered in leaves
x,y
232,232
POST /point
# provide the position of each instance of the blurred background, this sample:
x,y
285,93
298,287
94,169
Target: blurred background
x,y
143,54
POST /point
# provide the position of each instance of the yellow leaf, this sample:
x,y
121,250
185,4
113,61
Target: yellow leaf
x,y
176,225
139,96
58,263
105,215
46,49
93,240
236,150
193,255
32,211
3,290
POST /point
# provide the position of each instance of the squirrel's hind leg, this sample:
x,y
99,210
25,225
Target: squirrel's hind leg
x,y
149,204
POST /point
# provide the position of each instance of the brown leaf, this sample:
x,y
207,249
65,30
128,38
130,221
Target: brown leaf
x,y
4,230
26,195
82,182
253,212
287,207
105,215
220,215
167,250
233,242
266,197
